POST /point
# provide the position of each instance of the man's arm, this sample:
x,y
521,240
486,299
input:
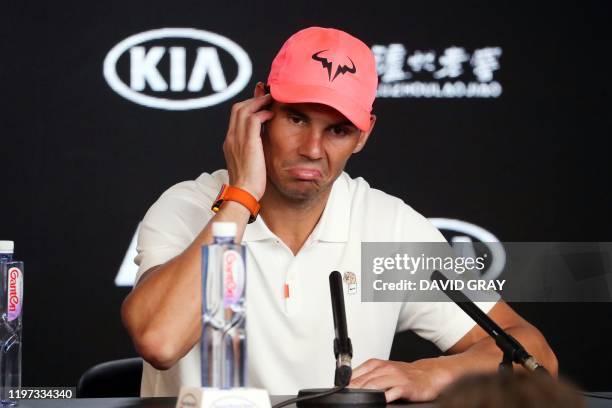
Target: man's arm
x,y
163,312
423,380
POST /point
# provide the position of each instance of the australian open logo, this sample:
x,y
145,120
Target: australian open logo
x,y
177,68
188,401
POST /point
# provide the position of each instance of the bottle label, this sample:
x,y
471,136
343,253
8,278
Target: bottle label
x,y
15,293
233,272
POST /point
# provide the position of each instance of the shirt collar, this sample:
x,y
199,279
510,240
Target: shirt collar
x,y
333,226
257,231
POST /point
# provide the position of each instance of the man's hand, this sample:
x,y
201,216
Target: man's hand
x,y
475,352
243,148
421,380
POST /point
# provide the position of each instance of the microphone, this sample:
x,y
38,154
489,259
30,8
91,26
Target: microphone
x,y
343,349
512,349
343,352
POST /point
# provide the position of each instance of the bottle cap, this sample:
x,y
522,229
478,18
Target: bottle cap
x,y
224,229
7,247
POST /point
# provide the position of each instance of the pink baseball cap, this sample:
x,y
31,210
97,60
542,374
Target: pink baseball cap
x,y
328,66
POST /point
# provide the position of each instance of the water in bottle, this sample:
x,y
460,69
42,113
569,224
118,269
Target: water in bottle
x,y
11,304
223,310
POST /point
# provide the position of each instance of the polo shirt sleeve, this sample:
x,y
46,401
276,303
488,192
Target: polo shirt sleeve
x,y
442,323
174,221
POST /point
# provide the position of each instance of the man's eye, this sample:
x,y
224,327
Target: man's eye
x,y
296,119
339,130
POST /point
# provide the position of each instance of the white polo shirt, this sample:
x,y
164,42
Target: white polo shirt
x,y
290,340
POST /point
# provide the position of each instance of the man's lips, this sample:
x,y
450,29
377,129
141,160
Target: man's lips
x,y
305,173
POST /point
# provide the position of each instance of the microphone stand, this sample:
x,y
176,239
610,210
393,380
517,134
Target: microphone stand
x,y
340,396
512,349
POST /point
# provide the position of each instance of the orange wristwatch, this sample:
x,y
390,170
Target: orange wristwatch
x,y
229,193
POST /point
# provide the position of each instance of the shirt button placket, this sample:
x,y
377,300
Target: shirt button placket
x,y
291,301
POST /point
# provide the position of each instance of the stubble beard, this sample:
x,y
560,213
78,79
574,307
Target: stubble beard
x,y
296,196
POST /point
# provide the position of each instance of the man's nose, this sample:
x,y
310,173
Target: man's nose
x,y
312,144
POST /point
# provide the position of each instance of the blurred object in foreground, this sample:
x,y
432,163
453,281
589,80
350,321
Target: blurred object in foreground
x,y
524,390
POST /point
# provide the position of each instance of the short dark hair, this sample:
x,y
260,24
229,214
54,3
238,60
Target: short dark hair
x,y
522,390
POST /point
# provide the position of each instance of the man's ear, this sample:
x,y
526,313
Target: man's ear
x,y
364,135
260,89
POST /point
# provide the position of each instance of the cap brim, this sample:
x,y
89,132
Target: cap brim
x,y
292,93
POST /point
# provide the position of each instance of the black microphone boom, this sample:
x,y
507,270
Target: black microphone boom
x,y
512,349
343,349
337,301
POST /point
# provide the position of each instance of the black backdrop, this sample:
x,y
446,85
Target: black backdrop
x,y
81,164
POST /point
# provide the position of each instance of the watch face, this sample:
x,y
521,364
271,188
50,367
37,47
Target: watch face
x,y
216,205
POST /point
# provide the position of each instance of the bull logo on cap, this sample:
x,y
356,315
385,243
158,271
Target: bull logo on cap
x,y
340,69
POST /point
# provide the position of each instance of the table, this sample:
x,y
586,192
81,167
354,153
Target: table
x,y
169,402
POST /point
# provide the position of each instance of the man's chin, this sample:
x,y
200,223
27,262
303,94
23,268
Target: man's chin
x,y
301,190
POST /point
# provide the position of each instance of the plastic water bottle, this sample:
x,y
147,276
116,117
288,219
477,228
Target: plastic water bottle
x,y
11,304
6,251
223,339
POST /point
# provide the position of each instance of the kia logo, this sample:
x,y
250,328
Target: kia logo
x,y
177,68
463,234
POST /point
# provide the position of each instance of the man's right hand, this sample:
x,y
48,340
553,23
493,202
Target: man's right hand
x,y
243,148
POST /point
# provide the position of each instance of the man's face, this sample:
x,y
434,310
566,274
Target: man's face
x,y
306,147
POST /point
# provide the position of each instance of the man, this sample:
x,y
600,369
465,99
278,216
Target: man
x,y
285,152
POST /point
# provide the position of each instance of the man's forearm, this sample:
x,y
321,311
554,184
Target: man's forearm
x,y
475,352
484,355
163,312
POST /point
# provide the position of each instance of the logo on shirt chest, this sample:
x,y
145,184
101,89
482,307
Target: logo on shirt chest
x,y
351,282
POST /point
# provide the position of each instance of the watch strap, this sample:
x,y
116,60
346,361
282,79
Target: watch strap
x,y
231,193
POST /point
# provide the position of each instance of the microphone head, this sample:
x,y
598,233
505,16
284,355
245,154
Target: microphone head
x,y
343,376
335,282
437,276
338,311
